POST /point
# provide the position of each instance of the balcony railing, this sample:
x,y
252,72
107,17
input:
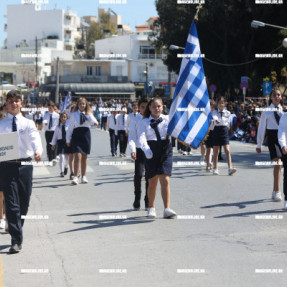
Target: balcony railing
x,y
152,56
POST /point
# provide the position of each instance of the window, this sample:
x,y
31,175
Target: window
x,y
98,70
89,70
147,52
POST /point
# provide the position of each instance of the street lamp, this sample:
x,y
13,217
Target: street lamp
x,y
144,72
174,47
257,24
146,79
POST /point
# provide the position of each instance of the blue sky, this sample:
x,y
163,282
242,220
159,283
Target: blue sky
x,y
134,13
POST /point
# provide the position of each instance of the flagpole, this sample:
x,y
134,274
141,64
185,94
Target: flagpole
x,y
197,11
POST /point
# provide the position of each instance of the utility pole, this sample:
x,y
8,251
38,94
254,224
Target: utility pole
x,y
146,78
36,78
57,82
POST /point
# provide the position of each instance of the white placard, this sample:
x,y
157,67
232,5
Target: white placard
x,y
9,148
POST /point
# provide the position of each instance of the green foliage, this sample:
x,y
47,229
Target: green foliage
x,y
226,36
266,79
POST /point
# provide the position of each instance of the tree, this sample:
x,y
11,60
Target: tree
x,y
225,37
95,32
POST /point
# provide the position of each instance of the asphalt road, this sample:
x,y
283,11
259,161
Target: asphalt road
x,y
228,233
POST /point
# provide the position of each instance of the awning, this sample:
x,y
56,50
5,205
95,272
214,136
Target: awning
x,y
92,88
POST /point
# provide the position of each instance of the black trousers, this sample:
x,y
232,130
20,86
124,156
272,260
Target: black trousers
x,y
17,187
113,141
51,154
123,139
139,168
284,159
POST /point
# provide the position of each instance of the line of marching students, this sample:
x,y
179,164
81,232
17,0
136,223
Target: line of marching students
x,y
150,147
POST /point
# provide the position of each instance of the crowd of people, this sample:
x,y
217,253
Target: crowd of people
x,y
142,126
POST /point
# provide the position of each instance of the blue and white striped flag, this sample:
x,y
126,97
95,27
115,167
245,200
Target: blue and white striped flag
x,y
190,114
61,104
66,102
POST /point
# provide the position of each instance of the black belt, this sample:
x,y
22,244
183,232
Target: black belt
x,y
19,160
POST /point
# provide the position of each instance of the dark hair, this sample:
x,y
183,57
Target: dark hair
x,y
218,99
14,93
144,100
51,104
147,110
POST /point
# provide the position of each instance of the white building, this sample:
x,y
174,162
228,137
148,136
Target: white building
x,y
56,32
27,21
21,63
91,79
138,50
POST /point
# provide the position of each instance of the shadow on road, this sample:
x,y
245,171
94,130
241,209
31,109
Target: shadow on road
x,y
106,222
240,205
245,214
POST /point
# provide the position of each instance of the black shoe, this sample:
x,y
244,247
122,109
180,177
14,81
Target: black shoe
x,y
65,171
61,174
72,176
15,248
113,154
137,204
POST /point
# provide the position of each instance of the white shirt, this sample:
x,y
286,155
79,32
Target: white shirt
x,y
223,118
46,120
58,133
147,133
121,122
111,122
267,121
130,117
74,122
29,139
282,131
133,132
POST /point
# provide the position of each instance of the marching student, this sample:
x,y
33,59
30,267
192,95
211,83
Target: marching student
x,y
282,139
3,114
38,119
269,121
50,121
209,142
220,135
132,115
137,154
112,127
17,178
122,131
63,150
156,146
78,137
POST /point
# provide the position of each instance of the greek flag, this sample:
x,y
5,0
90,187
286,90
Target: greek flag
x,y
190,114
66,104
61,105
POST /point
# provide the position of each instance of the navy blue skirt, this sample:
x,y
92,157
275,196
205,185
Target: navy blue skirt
x,y
220,136
273,144
154,166
81,140
62,147
209,140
